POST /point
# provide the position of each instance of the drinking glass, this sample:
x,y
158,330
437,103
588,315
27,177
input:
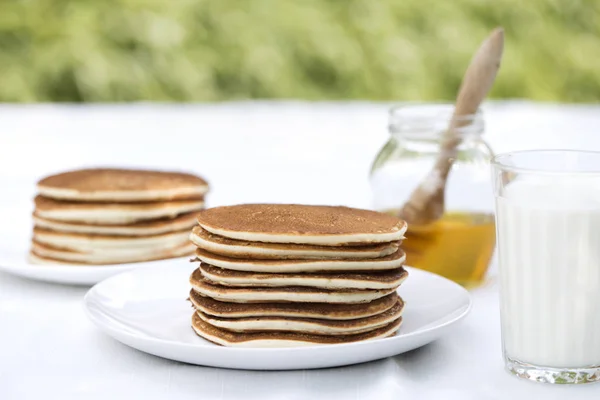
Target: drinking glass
x,y
548,237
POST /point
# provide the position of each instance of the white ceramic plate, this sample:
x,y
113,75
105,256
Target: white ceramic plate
x,y
147,310
14,260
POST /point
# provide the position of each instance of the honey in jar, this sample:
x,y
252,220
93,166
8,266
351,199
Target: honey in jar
x,y
459,246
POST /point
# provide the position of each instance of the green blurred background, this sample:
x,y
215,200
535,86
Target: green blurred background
x,y
201,50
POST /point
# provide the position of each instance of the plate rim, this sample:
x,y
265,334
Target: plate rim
x,y
78,274
104,328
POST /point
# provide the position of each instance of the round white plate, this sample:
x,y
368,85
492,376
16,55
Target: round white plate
x,y
147,309
14,261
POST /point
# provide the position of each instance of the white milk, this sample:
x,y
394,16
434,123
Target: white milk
x,y
549,253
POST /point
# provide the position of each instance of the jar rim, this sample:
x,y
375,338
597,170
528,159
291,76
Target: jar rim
x,y
431,120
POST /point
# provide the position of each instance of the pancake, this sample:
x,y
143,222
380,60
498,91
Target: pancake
x,y
284,339
298,310
112,214
147,228
39,260
393,261
298,294
48,253
256,250
302,224
85,243
351,280
305,325
122,185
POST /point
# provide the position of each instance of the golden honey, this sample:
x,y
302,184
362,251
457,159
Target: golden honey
x,y
459,246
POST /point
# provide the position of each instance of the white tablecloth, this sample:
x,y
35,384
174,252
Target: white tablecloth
x,y
275,152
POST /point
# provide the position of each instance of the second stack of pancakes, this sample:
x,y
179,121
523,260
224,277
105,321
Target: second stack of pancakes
x,y
109,216
275,275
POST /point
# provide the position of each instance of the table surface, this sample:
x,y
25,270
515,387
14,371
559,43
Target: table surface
x,y
274,152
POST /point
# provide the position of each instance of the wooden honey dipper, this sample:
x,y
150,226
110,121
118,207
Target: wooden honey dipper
x,y
426,203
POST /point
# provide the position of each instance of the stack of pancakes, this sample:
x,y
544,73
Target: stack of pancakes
x,y
110,216
277,275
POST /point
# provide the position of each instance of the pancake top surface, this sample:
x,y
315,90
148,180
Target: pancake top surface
x,y
90,237
299,220
204,235
385,276
393,312
218,260
185,220
198,281
116,180
47,204
225,337
314,310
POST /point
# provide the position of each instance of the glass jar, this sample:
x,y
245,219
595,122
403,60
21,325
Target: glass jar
x,y
459,245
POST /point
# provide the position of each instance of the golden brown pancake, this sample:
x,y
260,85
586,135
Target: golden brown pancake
x,y
257,250
328,311
86,243
342,280
393,261
122,185
112,213
46,254
315,326
39,260
302,224
284,339
300,294
145,228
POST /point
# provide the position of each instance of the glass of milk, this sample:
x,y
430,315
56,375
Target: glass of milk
x,y
548,236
